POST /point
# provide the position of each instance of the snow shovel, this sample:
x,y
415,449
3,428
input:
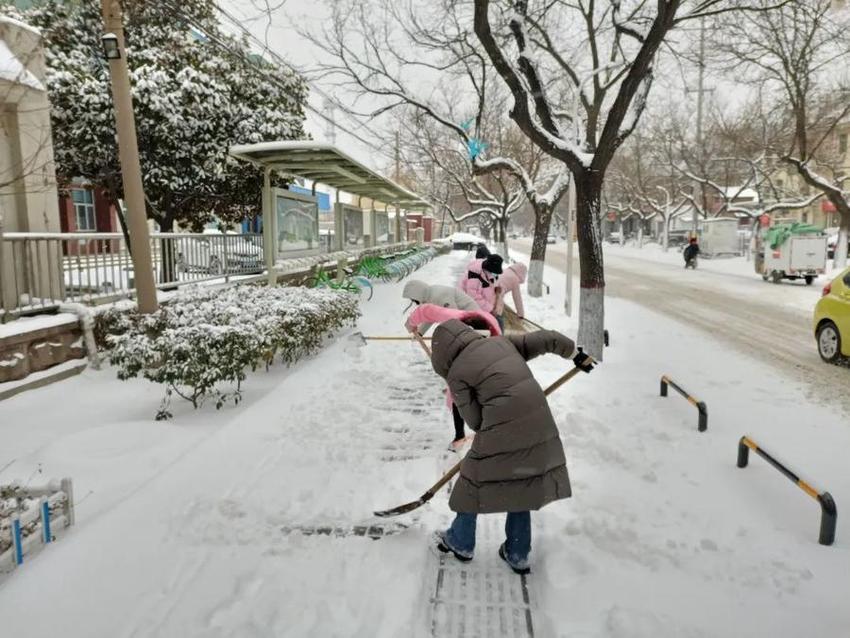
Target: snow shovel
x,y
427,496
364,339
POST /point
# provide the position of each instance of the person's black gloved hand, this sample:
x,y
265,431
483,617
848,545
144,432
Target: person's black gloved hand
x,y
583,361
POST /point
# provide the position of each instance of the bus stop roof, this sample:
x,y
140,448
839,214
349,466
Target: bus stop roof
x,y
324,163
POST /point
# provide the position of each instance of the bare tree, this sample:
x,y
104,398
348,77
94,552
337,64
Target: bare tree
x,y
407,54
799,52
580,73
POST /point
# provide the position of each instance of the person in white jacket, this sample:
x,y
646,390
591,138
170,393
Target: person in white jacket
x,y
445,296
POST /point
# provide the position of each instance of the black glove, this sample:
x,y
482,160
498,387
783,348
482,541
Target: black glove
x,y
583,361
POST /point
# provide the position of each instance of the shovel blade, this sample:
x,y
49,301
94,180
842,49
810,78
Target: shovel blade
x,y
358,339
401,509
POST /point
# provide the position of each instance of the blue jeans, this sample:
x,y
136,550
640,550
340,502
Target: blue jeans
x,y
500,319
461,536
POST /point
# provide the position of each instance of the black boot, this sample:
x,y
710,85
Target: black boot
x,y
517,570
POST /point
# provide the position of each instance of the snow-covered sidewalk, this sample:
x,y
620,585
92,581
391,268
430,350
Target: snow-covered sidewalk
x,y
205,526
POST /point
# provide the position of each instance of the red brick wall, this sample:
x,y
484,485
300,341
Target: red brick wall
x,y
105,221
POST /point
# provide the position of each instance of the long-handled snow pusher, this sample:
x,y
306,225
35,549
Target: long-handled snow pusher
x,y
429,494
364,339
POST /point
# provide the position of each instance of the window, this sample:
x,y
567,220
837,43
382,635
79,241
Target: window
x,y
842,143
84,209
805,218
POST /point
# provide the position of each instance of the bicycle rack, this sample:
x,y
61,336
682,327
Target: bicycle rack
x,y
829,512
702,425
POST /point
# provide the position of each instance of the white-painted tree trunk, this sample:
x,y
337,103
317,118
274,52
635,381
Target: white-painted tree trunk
x,y
665,233
640,235
622,234
840,256
591,325
535,278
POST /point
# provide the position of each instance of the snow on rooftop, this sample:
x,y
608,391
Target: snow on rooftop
x,y
20,25
12,70
739,193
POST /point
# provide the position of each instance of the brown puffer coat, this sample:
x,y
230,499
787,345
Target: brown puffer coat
x,y
516,462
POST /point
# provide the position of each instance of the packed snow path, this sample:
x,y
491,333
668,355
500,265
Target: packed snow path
x,y
244,522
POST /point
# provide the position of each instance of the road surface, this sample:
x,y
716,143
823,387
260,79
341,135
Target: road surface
x,y
770,322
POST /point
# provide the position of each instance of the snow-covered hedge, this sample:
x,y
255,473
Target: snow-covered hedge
x,y
206,337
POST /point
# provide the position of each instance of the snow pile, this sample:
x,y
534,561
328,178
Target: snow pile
x,y
206,337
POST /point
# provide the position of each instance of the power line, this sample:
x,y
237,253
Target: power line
x,y
280,60
187,21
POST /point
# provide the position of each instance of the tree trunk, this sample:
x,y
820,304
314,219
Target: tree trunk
x,y
542,221
622,234
665,241
640,234
591,324
503,238
840,256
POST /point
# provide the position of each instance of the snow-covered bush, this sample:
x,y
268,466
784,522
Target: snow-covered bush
x,y
206,337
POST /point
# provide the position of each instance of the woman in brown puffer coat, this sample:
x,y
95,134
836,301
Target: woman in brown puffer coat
x,y
517,461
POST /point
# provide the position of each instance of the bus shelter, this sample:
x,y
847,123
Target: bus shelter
x,y
290,220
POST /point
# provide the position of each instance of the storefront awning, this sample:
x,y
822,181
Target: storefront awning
x,y
326,164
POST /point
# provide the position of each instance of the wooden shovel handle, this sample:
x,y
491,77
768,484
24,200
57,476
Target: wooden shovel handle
x,y
422,343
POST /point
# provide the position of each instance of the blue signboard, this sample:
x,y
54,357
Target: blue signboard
x,y
324,199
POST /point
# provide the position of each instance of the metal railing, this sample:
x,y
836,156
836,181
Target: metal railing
x,y
829,512
42,270
702,409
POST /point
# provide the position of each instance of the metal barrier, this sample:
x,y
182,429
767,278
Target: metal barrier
x,y
42,270
39,271
700,406
829,513
31,519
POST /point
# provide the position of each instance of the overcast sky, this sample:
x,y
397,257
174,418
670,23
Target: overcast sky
x,y
280,29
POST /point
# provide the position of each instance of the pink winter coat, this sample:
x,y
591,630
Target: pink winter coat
x,y
429,313
511,280
483,293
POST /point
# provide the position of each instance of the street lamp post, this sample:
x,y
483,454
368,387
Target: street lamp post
x,y
128,152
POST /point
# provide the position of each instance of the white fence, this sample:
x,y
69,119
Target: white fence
x,y
32,517
39,270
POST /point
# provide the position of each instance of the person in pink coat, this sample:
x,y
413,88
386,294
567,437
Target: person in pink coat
x,y
480,281
510,281
427,314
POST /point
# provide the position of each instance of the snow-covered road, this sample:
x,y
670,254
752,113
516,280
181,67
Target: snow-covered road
x,y
208,525
725,299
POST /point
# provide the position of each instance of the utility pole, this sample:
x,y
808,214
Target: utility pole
x,y
397,158
571,198
700,91
330,128
128,152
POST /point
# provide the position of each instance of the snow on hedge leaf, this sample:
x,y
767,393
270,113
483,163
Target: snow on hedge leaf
x,y
205,337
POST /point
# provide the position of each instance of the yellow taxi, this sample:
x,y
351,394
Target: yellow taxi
x,y
832,319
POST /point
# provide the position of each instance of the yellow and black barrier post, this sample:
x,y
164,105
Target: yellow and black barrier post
x,y
829,513
702,425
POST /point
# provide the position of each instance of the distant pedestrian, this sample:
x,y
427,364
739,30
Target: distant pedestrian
x,y
690,253
516,463
482,251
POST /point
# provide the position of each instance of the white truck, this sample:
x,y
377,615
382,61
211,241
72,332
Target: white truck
x,y
798,257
